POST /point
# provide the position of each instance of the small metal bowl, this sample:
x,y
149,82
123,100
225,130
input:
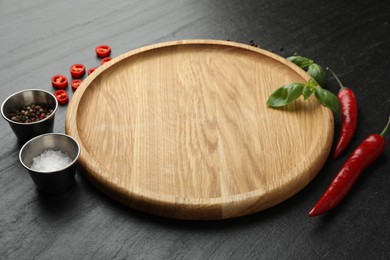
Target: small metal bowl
x,y
26,131
55,181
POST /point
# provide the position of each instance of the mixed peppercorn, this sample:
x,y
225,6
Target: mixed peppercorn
x,y
31,113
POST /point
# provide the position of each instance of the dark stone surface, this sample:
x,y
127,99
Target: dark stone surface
x,y
42,38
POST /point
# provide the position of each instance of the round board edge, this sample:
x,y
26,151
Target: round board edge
x,y
193,210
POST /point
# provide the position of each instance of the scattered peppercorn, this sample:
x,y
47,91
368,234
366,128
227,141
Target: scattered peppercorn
x,y
252,43
31,113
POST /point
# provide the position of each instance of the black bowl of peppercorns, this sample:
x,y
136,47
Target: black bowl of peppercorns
x,y
30,113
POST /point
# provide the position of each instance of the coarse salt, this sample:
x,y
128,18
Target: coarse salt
x,y
50,160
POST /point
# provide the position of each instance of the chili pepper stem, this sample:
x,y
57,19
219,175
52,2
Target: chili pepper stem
x,y
386,128
337,78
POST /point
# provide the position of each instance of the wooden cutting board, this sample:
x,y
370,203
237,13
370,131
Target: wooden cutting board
x,y
182,130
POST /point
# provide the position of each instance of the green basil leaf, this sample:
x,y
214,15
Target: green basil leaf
x,y
317,73
300,61
328,99
308,91
285,94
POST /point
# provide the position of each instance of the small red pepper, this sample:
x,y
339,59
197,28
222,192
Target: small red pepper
x,y
349,117
363,156
103,51
59,81
75,84
107,59
61,96
91,70
77,70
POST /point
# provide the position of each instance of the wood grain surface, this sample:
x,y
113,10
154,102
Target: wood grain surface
x,y
42,38
181,130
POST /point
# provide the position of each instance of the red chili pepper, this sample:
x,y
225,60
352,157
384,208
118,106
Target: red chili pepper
x,y
363,156
61,96
59,81
103,51
349,115
77,70
107,59
75,84
91,70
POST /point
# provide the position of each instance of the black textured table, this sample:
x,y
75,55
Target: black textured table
x,y
42,38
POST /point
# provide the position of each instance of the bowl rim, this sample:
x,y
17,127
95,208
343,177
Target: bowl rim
x,y
31,123
41,136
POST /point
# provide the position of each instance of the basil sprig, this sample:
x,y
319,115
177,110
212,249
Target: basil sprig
x,y
313,69
292,91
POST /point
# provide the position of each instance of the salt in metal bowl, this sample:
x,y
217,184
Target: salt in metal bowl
x,y
55,181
